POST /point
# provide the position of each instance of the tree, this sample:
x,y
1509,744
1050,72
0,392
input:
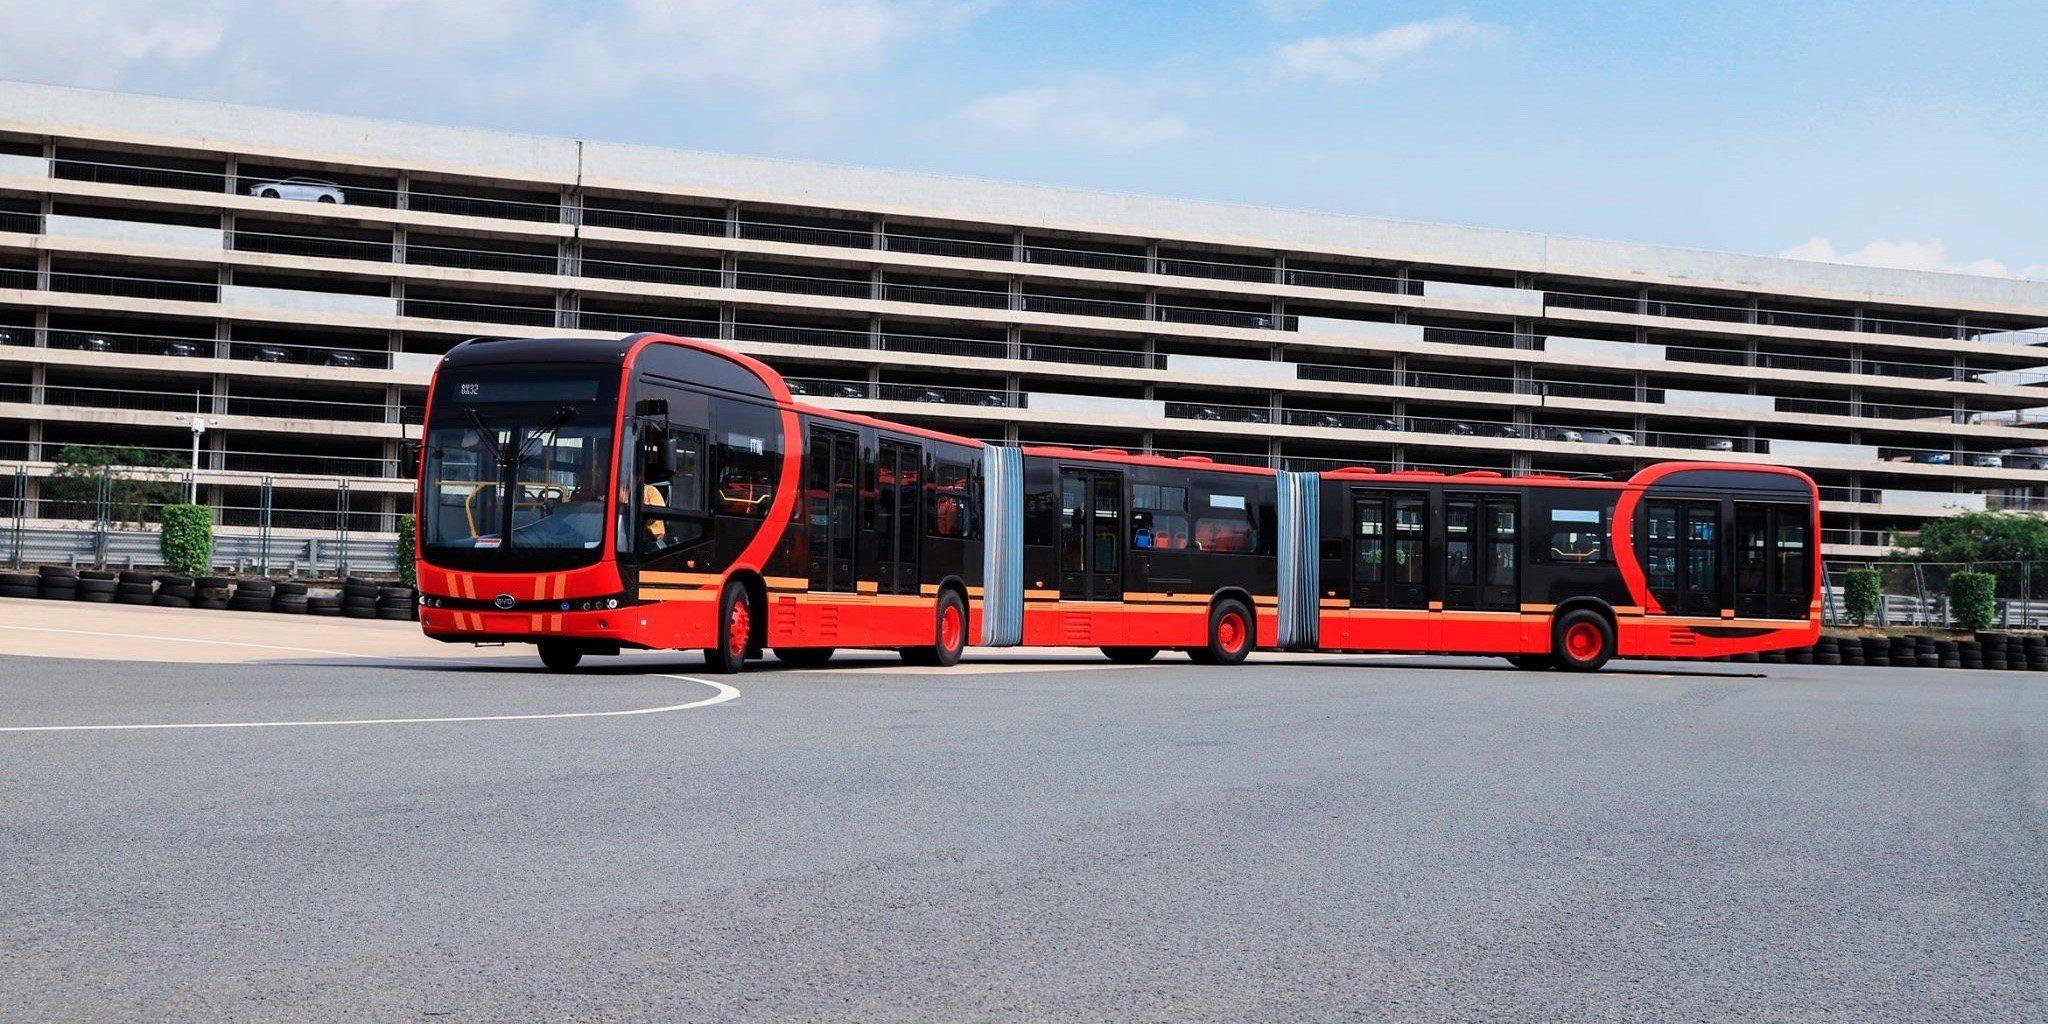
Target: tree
x,y
139,482
1861,594
186,539
407,525
1984,537
1973,596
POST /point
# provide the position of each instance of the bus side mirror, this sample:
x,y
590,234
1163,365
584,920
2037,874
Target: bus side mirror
x,y
670,459
651,407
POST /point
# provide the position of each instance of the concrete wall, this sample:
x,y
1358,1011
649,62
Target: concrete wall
x,y
132,231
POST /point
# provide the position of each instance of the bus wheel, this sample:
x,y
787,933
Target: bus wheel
x,y
1533,662
1230,635
951,636
1582,641
1130,655
735,631
560,655
803,657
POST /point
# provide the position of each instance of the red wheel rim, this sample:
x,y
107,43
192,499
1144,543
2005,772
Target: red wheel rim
x,y
738,624
1583,640
1230,632
950,628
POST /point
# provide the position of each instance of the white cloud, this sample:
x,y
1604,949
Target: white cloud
x,y
1909,254
1366,57
1093,108
387,54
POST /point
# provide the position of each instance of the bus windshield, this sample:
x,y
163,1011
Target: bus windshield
x,y
518,463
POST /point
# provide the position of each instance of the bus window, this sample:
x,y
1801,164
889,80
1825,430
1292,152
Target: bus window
x,y
1409,514
1792,576
955,502
1501,546
745,458
671,490
1458,543
1576,536
1225,525
1371,541
1159,519
1073,526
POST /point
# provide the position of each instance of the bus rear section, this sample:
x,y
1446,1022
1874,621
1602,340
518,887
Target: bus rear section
x,y
1684,560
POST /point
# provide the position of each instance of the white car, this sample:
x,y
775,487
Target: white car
x,y
311,190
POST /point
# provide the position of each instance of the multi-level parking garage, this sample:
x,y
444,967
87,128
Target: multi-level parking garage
x,y
293,277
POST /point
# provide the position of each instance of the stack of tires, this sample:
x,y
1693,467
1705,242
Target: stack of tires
x,y
2035,646
98,586
1827,651
174,591
1969,655
1903,651
253,595
57,583
1746,658
288,597
1799,656
19,584
1772,657
1849,650
1877,651
1993,647
396,603
136,587
323,604
359,598
212,592
1946,655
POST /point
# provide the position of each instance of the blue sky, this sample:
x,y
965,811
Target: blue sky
x,y
1903,134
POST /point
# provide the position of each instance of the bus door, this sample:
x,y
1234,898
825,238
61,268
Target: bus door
x,y
831,505
1682,556
1479,563
1773,578
898,500
1091,535
1389,551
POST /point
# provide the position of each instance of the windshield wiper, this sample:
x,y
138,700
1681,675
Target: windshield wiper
x,y
487,432
533,440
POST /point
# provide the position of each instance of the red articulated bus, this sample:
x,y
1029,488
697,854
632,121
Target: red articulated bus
x,y
594,495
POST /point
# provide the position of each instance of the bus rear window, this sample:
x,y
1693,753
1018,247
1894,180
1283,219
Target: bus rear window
x,y
1577,536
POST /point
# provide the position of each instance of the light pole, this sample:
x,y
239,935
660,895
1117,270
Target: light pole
x,y
198,424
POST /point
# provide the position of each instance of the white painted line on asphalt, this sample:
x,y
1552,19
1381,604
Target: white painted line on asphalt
x,y
725,693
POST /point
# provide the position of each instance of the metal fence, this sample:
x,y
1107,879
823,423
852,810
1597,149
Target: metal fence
x,y
1917,593
108,518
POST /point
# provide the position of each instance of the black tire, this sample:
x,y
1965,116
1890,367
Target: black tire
x,y
1581,640
188,592
135,598
326,610
288,607
93,586
258,587
249,604
1233,632
268,193
212,582
560,655
23,579
1130,655
324,199
164,601
395,614
350,611
359,593
210,603
289,588
135,577
52,591
735,631
98,574
171,579
324,601
19,592
96,596
395,593
803,657
60,572
367,606
1533,662
949,634
134,590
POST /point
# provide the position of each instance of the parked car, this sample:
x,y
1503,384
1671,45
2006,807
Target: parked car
x,y
272,354
311,190
993,400
843,390
1923,458
1718,444
1506,430
2025,460
1205,412
1596,435
341,358
182,348
9,338
1985,461
932,395
1560,434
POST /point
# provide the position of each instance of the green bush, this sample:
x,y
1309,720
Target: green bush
x,y
406,524
186,539
1860,593
1973,598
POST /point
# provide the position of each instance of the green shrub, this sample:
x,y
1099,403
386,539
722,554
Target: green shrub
x,y
186,539
1860,593
1973,598
406,524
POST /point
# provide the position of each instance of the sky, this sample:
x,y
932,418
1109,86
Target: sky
x,y
1896,134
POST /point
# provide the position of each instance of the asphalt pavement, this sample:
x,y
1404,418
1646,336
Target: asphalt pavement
x,y
1349,839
